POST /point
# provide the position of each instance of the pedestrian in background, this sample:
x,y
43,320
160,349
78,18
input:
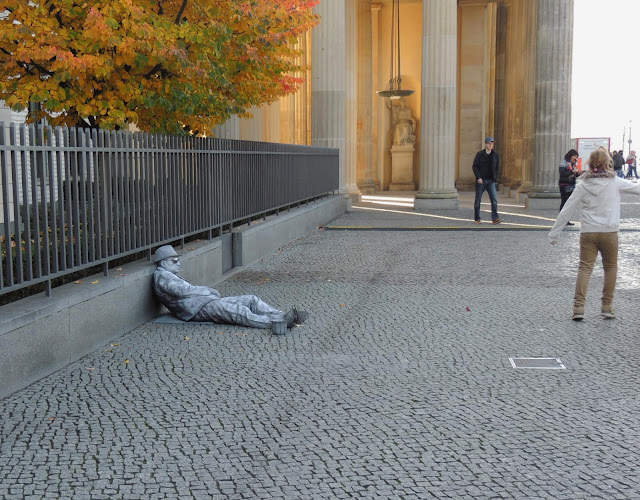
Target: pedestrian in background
x,y
568,174
485,167
618,163
598,194
631,162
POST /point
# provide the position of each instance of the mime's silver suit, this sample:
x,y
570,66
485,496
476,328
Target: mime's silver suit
x,y
200,303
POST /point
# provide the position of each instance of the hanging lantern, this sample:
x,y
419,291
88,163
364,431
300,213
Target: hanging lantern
x,y
395,80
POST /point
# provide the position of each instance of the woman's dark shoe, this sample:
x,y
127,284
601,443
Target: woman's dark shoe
x,y
570,224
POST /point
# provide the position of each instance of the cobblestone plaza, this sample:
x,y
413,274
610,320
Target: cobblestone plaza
x,y
400,385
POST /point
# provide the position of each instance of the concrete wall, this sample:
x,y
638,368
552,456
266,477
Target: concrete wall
x,y
39,335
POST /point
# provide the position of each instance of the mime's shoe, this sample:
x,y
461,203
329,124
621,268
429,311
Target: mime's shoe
x,y
291,316
302,317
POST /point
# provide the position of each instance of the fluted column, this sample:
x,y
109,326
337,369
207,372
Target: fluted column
x,y
528,133
553,99
438,126
351,91
365,99
328,87
377,164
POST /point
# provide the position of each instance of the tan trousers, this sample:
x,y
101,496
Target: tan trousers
x,y
590,245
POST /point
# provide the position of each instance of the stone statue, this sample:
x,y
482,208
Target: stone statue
x,y
403,124
200,303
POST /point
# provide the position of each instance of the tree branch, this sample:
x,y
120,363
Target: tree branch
x,y
181,11
158,66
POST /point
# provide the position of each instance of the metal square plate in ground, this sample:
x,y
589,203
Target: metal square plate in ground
x,y
538,363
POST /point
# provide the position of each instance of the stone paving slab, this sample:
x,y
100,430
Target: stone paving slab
x,y
399,385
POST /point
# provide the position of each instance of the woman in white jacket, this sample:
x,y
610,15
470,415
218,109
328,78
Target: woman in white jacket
x,y
599,197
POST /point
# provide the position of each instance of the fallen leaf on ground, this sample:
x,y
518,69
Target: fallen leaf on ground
x,y
78,282
126,361
108,350
52,418
468,309
114,345
90,368
187,338
94,282
341,305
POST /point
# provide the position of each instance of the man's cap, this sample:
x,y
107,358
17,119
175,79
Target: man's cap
x,y
164,252
488,139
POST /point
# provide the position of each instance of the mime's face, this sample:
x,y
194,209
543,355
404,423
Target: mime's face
x,y
172,265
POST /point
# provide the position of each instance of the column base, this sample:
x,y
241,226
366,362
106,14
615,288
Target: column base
x,y
466,185
354,197
407,186
544,200
367,187
353,193
442,200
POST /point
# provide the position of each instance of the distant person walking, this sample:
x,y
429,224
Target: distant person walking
x,y
631,165
485,167
599,197
618,163
568,174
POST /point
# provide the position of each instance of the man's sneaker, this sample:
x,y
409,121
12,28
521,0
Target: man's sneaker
x,y
570,223
497,221
609,314
577,316
478,221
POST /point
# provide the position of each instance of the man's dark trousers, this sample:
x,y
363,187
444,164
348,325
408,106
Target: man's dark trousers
x,y
490,187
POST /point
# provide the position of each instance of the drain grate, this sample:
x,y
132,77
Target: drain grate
x,y
538,363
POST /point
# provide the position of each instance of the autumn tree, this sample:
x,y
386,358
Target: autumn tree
x,y
167,65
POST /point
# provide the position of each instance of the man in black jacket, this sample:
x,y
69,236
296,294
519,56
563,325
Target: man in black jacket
x,y
485,168
618,163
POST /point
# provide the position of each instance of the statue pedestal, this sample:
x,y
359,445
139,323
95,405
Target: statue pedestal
x,y
402,168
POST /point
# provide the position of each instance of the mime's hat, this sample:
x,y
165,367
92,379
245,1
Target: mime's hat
x,y
164,252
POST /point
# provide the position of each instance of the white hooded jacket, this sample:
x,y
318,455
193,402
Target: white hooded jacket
x,y
598,194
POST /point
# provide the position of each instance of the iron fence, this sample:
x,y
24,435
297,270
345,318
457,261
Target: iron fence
x,y
75,198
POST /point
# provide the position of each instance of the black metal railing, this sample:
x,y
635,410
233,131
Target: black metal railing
x,y
74,198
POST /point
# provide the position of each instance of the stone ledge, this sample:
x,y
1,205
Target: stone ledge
x,y
40,334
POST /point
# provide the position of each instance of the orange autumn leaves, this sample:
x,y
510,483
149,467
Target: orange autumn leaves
x,y
169,66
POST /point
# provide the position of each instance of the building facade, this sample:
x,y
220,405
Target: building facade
x,y
479,68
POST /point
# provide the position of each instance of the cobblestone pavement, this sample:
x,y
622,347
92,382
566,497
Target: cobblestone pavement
x,y
399,386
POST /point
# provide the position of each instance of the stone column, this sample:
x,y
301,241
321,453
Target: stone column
x,y
376,161
328,85
351,74
438,109
528,133
554,42
365,98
